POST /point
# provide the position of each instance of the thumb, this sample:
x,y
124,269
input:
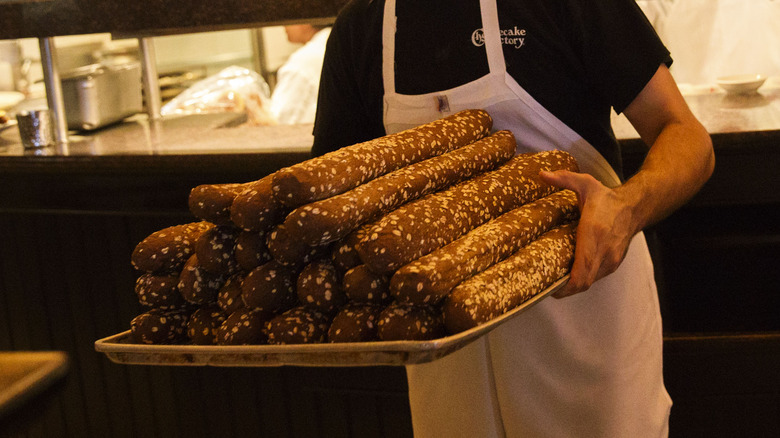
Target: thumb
x,y
562,179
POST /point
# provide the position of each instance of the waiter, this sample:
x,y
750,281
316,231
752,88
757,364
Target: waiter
x,y
550,71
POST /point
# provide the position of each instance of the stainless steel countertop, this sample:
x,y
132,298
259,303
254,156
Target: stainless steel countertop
x,y
181,135
216,134
724,113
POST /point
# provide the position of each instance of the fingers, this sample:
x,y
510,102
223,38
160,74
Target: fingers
x,y
602,240
597,254
559,178
564,179
583,270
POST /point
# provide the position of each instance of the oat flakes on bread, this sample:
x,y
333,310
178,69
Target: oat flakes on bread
x,y
355,323
333,218
429,223
211,202
511,282
299,325
167,250
346,168
430,278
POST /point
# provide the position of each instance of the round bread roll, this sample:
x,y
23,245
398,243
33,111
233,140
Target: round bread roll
x,y
299,325
197,285
355,323
256,209
243,327
251,250
361,285
204,323
288,250
159,326
344,255
319,288
159,291
167,250
270,287
216,249
408,322
229,295
211,202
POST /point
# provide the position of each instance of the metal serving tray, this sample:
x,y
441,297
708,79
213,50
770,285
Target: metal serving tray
x,y
120,349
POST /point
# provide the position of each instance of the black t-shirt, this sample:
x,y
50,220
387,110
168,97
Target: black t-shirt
x,y
578,58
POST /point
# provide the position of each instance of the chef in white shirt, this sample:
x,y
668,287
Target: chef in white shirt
x,y
294,99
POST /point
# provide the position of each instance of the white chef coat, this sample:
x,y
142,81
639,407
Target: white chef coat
x,y
294,99
587,365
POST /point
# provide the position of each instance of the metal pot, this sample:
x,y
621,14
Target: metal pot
x,y
98,95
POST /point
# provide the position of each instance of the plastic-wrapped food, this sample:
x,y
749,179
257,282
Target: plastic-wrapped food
x,y
234,89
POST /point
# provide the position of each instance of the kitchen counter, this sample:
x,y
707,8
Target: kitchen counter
x,y
170,139
725,113
732,117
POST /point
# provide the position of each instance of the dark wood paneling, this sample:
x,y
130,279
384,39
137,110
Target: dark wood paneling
x,y
66,281
723,386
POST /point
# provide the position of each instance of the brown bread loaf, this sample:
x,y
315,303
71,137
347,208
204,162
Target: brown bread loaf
x,y
430,278
229,295
509,283
270,287
409,322
243,327
331,219
361,285
216,249
346,168
251,250
159,291
319,287
299,325
159,326
204,323
256,208
197,285
344,253
168,249
435,220
288,250
355,323
211,202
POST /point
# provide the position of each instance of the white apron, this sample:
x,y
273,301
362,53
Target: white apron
x,y
589,365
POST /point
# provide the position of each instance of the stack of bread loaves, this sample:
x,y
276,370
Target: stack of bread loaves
x,y
410,236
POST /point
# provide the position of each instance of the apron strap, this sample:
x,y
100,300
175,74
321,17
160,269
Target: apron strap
x,y
492,34
388,47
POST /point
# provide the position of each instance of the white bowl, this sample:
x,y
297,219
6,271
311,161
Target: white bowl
x,y
10,98
741,84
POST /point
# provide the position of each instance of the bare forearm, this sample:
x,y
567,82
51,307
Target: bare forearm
x,y
678,164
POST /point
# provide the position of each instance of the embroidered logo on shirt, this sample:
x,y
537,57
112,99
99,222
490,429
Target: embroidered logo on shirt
x,y
514,37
